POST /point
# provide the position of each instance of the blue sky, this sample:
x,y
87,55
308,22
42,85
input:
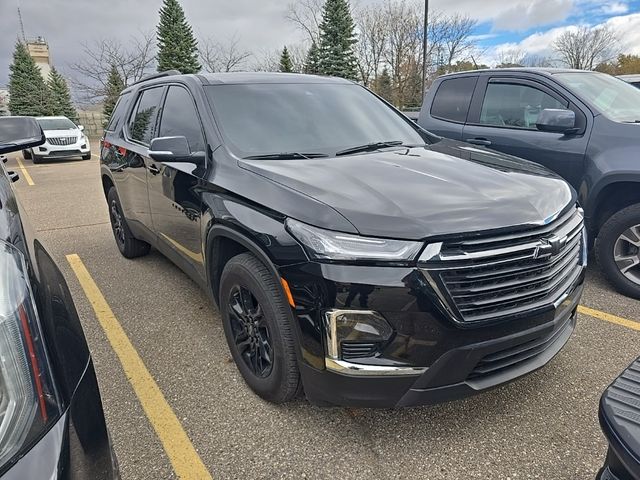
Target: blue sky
x,y
531,26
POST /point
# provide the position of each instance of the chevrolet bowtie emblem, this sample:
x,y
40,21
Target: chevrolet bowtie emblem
x,y
550,247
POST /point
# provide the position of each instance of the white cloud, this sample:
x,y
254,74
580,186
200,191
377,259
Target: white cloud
x,y
539,44
615,8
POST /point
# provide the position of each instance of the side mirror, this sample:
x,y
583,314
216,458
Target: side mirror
x,y
81,128
19,133
556,121
173,149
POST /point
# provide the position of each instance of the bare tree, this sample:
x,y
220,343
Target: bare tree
x,y
307,16
133,60
585,47
226,56
269,61
373,35
457,40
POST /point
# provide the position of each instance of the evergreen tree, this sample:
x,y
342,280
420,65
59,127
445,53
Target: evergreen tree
x,y
337,38
60,97
28,92
286,65
115,85
177,47
383,85
311,65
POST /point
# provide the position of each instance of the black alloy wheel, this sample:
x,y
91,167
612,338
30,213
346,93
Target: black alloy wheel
x,y
250,331
259,328
129,246
116,222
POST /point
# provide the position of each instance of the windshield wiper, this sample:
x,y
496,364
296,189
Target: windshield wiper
x,y
286,156
369,147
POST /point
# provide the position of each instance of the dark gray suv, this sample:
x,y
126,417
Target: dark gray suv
x,y
583,125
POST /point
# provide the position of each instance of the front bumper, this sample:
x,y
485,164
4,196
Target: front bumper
x,y
431,359
47,150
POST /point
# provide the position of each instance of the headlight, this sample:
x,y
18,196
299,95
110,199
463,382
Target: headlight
x,y
328,245
28,403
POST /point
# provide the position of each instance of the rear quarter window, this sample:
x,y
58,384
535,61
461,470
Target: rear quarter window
x,y
117,116
453,98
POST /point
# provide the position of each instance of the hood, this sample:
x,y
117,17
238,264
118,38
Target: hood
x,y
413,193
62,133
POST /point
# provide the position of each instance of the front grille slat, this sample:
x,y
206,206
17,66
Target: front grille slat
x,y
62,141
490,277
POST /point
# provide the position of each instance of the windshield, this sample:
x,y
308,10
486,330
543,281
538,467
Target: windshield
x,y
305,118
616,99
56,124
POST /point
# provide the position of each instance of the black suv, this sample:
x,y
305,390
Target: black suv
x,y
583,125
352,254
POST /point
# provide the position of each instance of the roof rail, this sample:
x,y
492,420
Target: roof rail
x,y
153,76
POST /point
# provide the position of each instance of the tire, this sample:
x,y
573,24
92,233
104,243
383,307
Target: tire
x,y
129,246
35,159
26,154
611,244
268,311
87,156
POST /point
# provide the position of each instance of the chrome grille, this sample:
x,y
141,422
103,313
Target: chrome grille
x,y
489,277
62,140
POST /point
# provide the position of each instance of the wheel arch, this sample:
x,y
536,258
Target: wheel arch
x,y
107,183
224,243
618,193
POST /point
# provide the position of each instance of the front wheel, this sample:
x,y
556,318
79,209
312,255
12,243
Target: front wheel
x,y
258,329
129,246
87,156
618,250
26,154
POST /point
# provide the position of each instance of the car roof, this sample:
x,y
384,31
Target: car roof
x,y
630,77
239,78
59,117
547,71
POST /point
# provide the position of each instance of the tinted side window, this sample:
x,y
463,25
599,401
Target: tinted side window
x,y
512,105
453,98
117,116
144,115
180,118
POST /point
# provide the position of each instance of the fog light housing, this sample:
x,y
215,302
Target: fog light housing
x,y
42,149
83,146
360,330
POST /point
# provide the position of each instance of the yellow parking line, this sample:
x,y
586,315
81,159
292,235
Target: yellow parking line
x,y
94,155
607,317
185,460
25,174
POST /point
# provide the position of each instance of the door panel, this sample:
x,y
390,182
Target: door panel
x,y
506,122
174,187
132,186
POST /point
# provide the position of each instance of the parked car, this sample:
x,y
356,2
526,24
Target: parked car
x,y
351,254
632,79
620,422
65,140
583,125
51,419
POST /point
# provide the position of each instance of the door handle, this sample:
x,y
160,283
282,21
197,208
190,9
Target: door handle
x,y
153,169
479,141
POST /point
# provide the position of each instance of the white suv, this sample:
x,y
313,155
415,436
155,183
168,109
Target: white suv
x,y
65,139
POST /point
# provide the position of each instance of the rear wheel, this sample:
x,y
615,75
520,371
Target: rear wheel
x,y
618,250
129,246
258,329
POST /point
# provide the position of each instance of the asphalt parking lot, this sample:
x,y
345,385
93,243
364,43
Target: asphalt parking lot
x,y
543,426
